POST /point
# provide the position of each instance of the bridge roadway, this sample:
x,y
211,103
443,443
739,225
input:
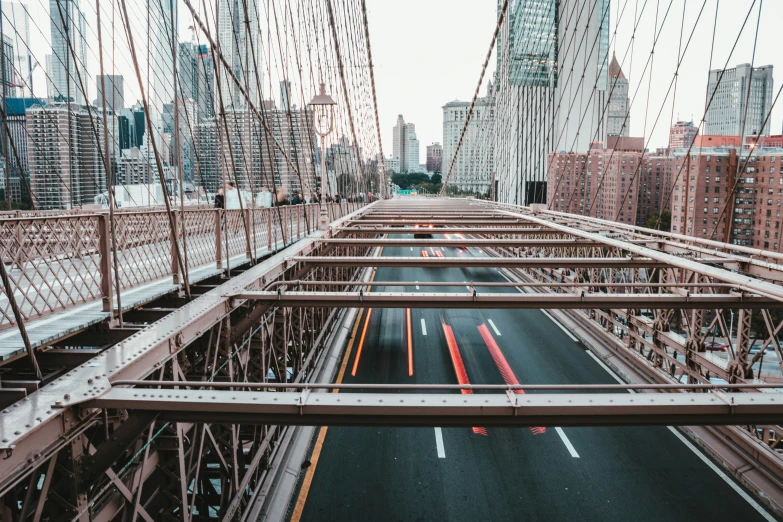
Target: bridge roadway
x,y
629,473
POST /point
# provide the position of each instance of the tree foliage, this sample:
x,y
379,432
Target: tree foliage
x,y
662,221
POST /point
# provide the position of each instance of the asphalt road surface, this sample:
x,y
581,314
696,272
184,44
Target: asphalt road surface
x,y
375,474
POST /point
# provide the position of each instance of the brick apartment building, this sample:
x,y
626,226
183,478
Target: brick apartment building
x,y
722,190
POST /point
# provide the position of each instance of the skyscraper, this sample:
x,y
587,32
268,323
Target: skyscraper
x,y
16,16
115,89
411,149
618,119
162,82
197,78
543,89
285,95
238,38
743,85
63,68
472,168
398,141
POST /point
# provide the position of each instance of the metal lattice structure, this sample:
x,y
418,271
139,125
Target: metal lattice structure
x,y
191,417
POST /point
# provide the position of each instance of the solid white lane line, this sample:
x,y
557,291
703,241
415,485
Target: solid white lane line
x,y
698,453
439,443
569,334
722,475
423,327
607,369
568,445
497,332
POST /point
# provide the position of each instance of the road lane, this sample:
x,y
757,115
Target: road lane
x,y
397,473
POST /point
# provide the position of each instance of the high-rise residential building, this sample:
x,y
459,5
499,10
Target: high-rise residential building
x,y
238,33
618,181
115,88
741,99
16,15
18,156
473,166
434,157
618,118
682,134
66,168
68,25
543,89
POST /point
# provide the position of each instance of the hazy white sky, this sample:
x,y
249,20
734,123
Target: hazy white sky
x,y
429,52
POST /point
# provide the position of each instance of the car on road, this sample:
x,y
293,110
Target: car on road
x,y
756,348
422,235
712,346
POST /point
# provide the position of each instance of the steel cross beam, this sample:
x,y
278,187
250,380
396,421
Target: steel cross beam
x,y
483,262
511,230
514,243
394,409
475,300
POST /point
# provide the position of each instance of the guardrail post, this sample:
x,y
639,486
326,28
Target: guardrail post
x,y
175,217
218,239
299,221
246,217
268,217
104,251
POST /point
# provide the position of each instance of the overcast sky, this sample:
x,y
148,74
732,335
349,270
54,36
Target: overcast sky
x,y
430,52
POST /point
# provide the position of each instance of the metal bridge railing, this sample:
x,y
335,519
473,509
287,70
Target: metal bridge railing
x,y
57,261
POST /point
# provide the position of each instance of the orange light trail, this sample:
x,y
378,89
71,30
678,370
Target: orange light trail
x,y
505,369
459,368
361,342
410,342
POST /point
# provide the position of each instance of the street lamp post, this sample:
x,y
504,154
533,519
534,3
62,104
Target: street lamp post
x,y
323,123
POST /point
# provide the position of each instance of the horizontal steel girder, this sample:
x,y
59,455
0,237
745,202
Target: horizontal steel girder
x,y
447,222
507,300
483,262
526,243
512,230
440,409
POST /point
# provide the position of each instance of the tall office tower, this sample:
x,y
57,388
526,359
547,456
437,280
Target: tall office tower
x,y
472,168
238,37
293,130
411,156
682,134
551,55
162,88
434,157
66,169
285,95
197,78
115,89
743,90
206,172
16,25
618,118
18,157
398,145
64,68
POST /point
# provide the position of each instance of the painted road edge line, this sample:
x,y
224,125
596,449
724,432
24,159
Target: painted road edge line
x,y
607,369
439,443
494,328
733,485
423,327
568,445
688,444
569,334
